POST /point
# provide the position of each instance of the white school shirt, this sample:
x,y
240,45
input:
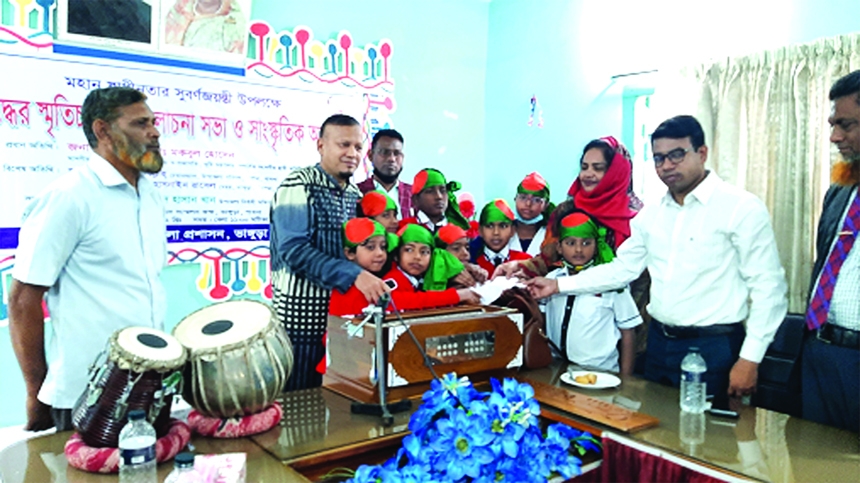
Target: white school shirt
x,y
534,246
425,221
100,246
595,326
712,260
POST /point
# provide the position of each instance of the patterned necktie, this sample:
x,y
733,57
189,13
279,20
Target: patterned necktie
x,y
816,316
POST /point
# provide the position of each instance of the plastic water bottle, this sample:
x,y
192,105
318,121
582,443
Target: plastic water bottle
x,y
137,450
183,470
693,382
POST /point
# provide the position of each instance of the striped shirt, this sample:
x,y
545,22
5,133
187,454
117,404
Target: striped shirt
x,y
307,212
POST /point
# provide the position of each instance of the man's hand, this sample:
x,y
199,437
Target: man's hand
x,y
479,274
541,287
508,270
38,415
743,378
371,286
464,279
468,296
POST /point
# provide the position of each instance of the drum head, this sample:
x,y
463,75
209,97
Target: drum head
x,y
223,324
158,348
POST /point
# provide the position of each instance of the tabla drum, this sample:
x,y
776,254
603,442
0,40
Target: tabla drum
x,y
141,368
239,358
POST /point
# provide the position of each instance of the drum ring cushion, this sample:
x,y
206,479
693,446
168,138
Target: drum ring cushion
x,y
106,460
236,427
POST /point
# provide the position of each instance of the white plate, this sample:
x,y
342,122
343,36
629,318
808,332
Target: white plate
x,y
604,380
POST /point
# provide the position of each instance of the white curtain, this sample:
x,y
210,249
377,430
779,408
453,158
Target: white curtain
x,y
765,120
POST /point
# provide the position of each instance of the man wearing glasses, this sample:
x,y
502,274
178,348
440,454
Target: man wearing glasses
x,y
386,155
710,250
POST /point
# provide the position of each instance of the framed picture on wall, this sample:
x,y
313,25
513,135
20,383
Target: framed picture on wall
x,y
212,30
122,24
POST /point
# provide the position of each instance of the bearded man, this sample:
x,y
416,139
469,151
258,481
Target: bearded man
x,y
94,241
386,154
831,350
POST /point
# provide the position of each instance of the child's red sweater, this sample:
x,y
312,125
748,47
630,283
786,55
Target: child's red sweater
x,y
405,297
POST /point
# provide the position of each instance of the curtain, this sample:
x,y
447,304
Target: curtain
x,y
765,121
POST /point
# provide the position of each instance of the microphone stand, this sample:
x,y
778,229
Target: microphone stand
x,y
383,408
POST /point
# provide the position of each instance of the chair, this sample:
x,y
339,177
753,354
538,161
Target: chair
x,y
779,387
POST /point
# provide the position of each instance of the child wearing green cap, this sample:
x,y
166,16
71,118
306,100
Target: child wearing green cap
x,y
587,328
496,229
434,201
367,244
378,206
419,279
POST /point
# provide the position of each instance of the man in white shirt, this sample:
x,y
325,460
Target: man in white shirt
x,y
94,241
831,350
710,250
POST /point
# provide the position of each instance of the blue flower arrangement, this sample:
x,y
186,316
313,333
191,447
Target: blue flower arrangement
x,y
462,435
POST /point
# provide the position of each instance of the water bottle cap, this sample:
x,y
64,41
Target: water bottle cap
x,y
694,349
184,459
136,414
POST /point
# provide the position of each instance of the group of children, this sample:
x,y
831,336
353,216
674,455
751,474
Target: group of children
x,y
419,258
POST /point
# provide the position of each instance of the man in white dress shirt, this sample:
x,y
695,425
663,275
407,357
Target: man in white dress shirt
x,y
710,250
94,241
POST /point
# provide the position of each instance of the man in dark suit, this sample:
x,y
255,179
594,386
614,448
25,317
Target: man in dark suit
x,y
386,154
831,351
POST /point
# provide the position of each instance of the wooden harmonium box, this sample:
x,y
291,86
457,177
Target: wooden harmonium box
x,y
475,341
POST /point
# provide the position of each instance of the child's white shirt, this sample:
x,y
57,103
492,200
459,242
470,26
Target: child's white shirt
x,y
595,326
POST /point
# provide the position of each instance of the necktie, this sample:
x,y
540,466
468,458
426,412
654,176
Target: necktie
x,y
816,316
497,261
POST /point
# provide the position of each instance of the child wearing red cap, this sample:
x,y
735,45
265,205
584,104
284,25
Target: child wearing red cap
x,y
367,244
379,207
496,231
587,328
455,241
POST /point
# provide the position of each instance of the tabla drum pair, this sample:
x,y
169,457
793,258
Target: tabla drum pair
x,y
141,368
239,358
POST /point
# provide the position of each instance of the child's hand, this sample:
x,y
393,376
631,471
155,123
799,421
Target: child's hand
x,y
464,279
371,286
479,274
468,296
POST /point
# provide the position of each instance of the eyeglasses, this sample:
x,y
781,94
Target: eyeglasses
x,y
529,199
390,152
675,156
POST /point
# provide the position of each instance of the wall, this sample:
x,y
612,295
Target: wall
x,y
566,51
439,60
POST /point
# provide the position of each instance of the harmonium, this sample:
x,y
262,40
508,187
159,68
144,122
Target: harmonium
x,y
475,341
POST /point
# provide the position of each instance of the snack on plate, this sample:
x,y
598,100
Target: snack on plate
x,y
589,379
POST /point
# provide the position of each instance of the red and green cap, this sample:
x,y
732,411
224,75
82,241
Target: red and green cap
x,y
496,211
443,265
449,234
534,185
580,225
430,177
358,230
376,202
